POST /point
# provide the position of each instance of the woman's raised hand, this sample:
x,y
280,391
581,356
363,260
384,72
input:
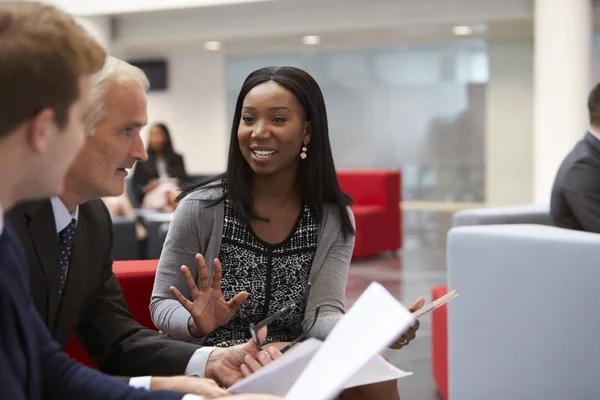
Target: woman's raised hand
x,y
208,308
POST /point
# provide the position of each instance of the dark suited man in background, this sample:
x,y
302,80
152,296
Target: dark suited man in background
x,y
76,291
46,61
575,200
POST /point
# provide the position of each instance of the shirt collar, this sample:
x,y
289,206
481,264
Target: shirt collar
x,y
594,133
62,216
1,220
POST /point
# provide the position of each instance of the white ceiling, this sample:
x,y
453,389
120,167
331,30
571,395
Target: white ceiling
x,y
90,8
280,24
283,18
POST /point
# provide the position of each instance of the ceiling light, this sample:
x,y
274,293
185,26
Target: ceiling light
x,y
462,30
311,40
212,46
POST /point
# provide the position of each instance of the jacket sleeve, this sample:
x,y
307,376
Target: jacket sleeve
x,y
582,193
117,343
63,378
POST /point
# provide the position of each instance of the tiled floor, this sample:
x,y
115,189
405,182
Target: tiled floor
x,y
411,273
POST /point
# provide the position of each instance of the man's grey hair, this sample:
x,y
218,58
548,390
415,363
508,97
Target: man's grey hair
x,y
114,70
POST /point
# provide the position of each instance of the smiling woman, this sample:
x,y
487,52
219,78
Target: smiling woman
x,y
275,230
285,232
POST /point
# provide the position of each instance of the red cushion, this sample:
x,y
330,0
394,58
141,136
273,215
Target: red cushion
x,y
372,190
439,342
369,220
136,279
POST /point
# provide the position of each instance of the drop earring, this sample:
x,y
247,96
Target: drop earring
x,y
303,155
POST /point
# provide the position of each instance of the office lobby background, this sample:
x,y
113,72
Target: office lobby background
x,y
475,102
444,90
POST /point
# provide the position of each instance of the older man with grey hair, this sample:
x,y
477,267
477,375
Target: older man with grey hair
x,y
68,243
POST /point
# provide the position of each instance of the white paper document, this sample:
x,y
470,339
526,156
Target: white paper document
x,y
279,376
435,304
375,320
348,357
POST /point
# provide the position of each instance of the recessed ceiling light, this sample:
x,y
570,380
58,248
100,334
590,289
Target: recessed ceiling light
x,y
462,30
311,40
212,46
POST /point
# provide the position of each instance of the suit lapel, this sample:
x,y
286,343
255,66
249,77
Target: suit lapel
x,y
75,284
42,230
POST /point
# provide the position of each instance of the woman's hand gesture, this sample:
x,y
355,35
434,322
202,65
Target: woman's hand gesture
x,y
208,308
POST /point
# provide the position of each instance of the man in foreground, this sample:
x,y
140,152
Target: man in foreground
x,y
44,98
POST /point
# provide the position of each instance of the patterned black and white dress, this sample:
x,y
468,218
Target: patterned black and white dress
x,y
274,275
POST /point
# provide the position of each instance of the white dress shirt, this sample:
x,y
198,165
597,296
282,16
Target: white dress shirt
x,y
197,363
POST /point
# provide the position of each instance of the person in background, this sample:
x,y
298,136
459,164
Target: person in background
x,y
120,206
575,198
275,228
157,181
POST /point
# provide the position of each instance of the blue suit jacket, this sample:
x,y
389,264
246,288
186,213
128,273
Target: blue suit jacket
x,y
32,365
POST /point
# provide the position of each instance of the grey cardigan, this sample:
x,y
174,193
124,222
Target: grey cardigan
x,y
198,228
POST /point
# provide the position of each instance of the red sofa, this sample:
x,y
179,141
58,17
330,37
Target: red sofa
x,y
439,342
136,279
377,197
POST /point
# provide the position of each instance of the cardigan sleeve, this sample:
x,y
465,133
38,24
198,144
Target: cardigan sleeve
x,y
180,248
329,286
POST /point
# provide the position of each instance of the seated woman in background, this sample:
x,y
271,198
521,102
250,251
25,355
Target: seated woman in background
x,y
120,206
276,224
157,181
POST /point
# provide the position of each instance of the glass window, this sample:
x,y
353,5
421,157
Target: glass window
x,y
415,108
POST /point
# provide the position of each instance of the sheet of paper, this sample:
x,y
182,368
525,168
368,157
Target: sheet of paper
x,y
435,304
278,377
375,320
376,370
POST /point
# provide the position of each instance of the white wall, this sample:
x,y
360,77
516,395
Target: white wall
x,y
194,108
509,124
99,28
510,177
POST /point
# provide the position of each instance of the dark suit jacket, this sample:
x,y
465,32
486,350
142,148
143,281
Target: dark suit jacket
x,y
146,171
92,303
575,200
31,363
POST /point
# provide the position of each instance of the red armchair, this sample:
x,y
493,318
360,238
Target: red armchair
x,y
439,343
136,279
376,209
